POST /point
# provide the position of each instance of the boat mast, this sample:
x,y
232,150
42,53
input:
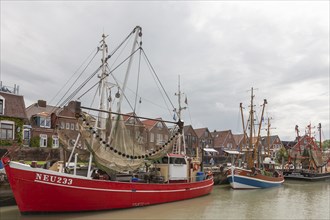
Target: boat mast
x,y
268,137
138,33
250,158
244,129
104,104
319,128
178,112
258,137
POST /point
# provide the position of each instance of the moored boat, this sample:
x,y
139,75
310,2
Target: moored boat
x,y
41,190
255,175
306,159
240,178
159,174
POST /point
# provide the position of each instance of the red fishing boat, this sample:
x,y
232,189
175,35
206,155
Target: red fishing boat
x,y
156,174
41,190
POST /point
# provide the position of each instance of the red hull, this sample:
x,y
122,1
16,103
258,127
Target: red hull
x,y
39,190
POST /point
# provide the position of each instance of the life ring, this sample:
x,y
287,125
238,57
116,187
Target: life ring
x,y
195,167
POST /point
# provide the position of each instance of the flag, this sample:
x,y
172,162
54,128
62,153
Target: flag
x,y
174,117
186,101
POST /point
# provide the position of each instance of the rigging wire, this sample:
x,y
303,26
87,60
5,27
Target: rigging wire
x,y
77,80
137,82
75,92
154,72
110,73
74,73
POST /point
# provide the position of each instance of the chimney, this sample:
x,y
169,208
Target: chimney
x,y
42,103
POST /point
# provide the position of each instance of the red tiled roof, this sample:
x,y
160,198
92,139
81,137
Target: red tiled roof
x,y
149,123
220,137
200,131
238,138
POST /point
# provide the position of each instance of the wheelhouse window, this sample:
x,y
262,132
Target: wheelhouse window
x,y
7,130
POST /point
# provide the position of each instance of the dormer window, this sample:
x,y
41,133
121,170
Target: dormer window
x,y
159,125
43,121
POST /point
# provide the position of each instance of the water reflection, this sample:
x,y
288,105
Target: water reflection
x,y
294,200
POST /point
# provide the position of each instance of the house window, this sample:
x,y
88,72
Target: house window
x,y
67,126
55,143
7,130
159,125
26,134
77,127
44,122
2,106
62,125
152,137
159,138
137,134
43,140
72,126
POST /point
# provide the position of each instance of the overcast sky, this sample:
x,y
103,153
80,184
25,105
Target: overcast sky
x,y
220,49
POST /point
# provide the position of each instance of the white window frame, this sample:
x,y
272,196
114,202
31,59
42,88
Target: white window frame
x,y
43,140
46,122
62,125
159,138
67,126
8,123
55,141
160,125
72,126
152,137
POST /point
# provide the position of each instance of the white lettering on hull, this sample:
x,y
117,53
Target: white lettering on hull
x,y
53,179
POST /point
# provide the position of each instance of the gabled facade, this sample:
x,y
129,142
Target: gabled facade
x,y
191,140
157,133
12,118
42,132
240,141
224,140
204,137
65,119
274,143
136,129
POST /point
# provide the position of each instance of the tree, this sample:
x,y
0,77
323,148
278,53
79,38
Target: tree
x,y
326,145
282,153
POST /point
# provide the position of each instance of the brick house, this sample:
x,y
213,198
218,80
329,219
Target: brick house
x,y
12,118
45,120
157,133
136,129
223,140
241,143
205,139
275,144
191,140
42,132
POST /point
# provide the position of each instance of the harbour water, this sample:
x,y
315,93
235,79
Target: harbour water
x,y
293,200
